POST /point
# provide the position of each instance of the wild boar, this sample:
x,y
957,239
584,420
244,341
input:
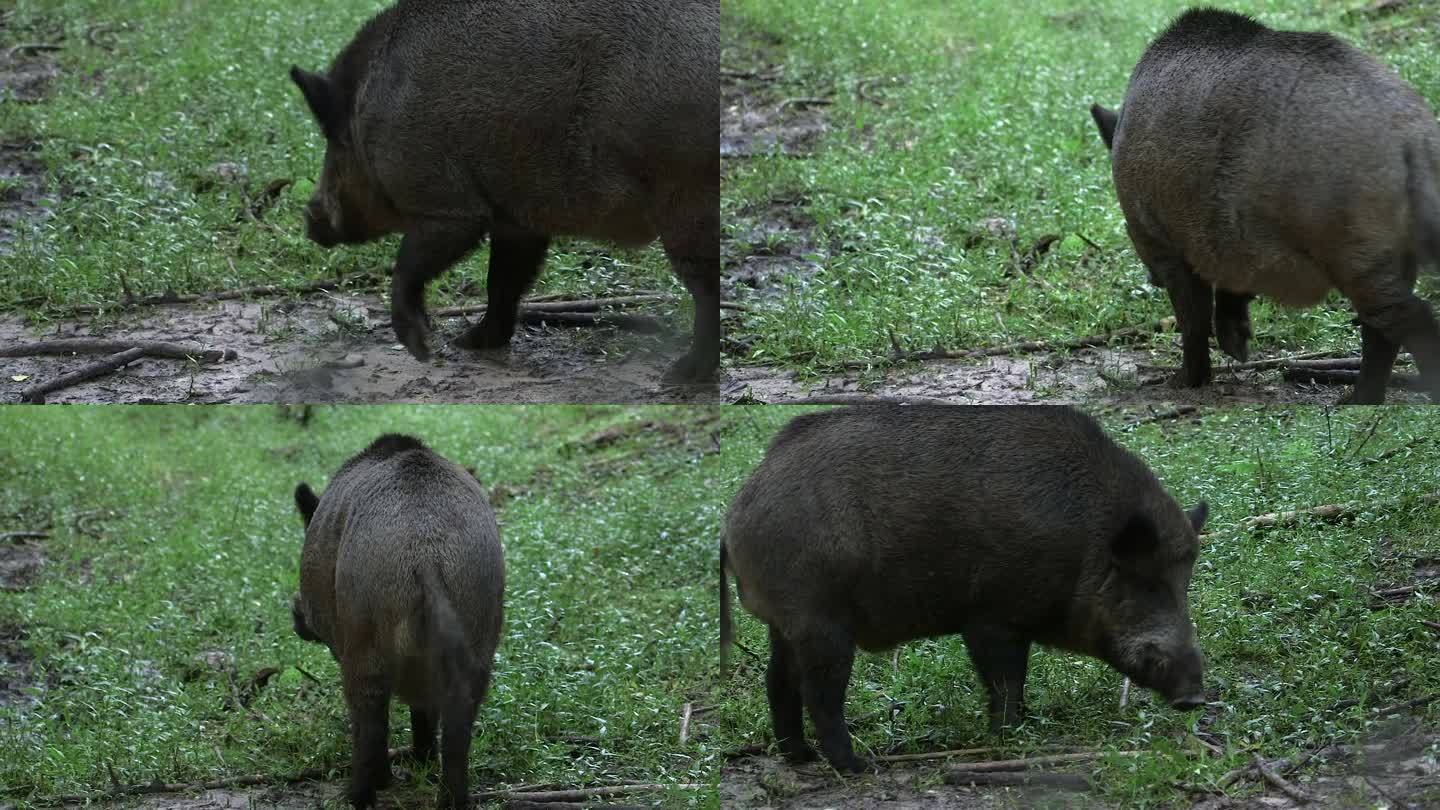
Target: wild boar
x,y
874,525
1250,161
450,120
402,576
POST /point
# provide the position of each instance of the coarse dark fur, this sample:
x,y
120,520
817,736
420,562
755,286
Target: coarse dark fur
x,y
450,120
1250,161
870,526
402,576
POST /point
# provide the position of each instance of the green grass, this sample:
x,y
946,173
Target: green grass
x,y
129,136
1283,614
985,115
610,603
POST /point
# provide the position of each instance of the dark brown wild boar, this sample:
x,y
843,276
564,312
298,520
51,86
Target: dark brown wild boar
x,y
1286,164
403,578
449,120
871,526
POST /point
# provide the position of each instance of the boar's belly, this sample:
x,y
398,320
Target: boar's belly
x,y
1289,279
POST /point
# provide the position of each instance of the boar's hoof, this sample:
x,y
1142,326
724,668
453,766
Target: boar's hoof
x,y
412,333
361,797
487,334
1234,339
856,765
798,754
1185,378
691,369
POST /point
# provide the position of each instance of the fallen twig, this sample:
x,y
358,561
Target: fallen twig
x,y
1389,688
863,399
1124,693
148,348
1299,374
1173,413
1035,762
1393,594
1395,451
685,716
15,537
1329,511
1432,625
32,47
579,794
1279,782
962,752
1409,704
255,209
223,295
644,324
1027,346
804,101
1060,781
35,394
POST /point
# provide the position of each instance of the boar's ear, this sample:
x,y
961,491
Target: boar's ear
x,y
320,95
306,501
1136,539
1106,121
1198,514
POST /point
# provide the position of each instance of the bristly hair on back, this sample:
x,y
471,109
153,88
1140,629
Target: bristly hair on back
x,y
1210,26
391,444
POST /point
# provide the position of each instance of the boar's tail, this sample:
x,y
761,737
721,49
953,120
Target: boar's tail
x,y
726,629
1424,205
451,666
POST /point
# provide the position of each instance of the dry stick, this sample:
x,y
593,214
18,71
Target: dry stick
x,y
685,723
1328,511
223,295
1409,704
1342,377
1062,781
578,794
645,324
36,393
1033,762
1275,779
1432,625
14,537
862,399
149,348
1389,688
962,752
32,47
1173,413
1028,346
1391,593
1395,451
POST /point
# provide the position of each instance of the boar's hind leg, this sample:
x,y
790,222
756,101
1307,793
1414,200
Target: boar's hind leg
x,y
782,687
457,731
422,730
1232,323
824,657
693,246
1393,315
1001,660
369,699
515,263
425,253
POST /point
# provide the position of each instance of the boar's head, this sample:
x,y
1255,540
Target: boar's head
x,y
347,205
1143,607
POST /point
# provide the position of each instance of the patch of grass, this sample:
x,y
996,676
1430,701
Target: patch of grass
x,y
608,515
985,115
132,136
1284,615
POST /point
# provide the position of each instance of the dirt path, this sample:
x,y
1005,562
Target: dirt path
x,y
338,347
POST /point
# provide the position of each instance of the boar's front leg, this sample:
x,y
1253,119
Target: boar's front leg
x,y
515,263
1232,323
368,696
1001,659
691,237
825,656
783,688
425,253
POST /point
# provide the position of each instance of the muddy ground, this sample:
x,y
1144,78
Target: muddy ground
x,y
1397,768
765,111
338,347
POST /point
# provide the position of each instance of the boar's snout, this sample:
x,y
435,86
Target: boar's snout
x,y
1179,677
318,228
